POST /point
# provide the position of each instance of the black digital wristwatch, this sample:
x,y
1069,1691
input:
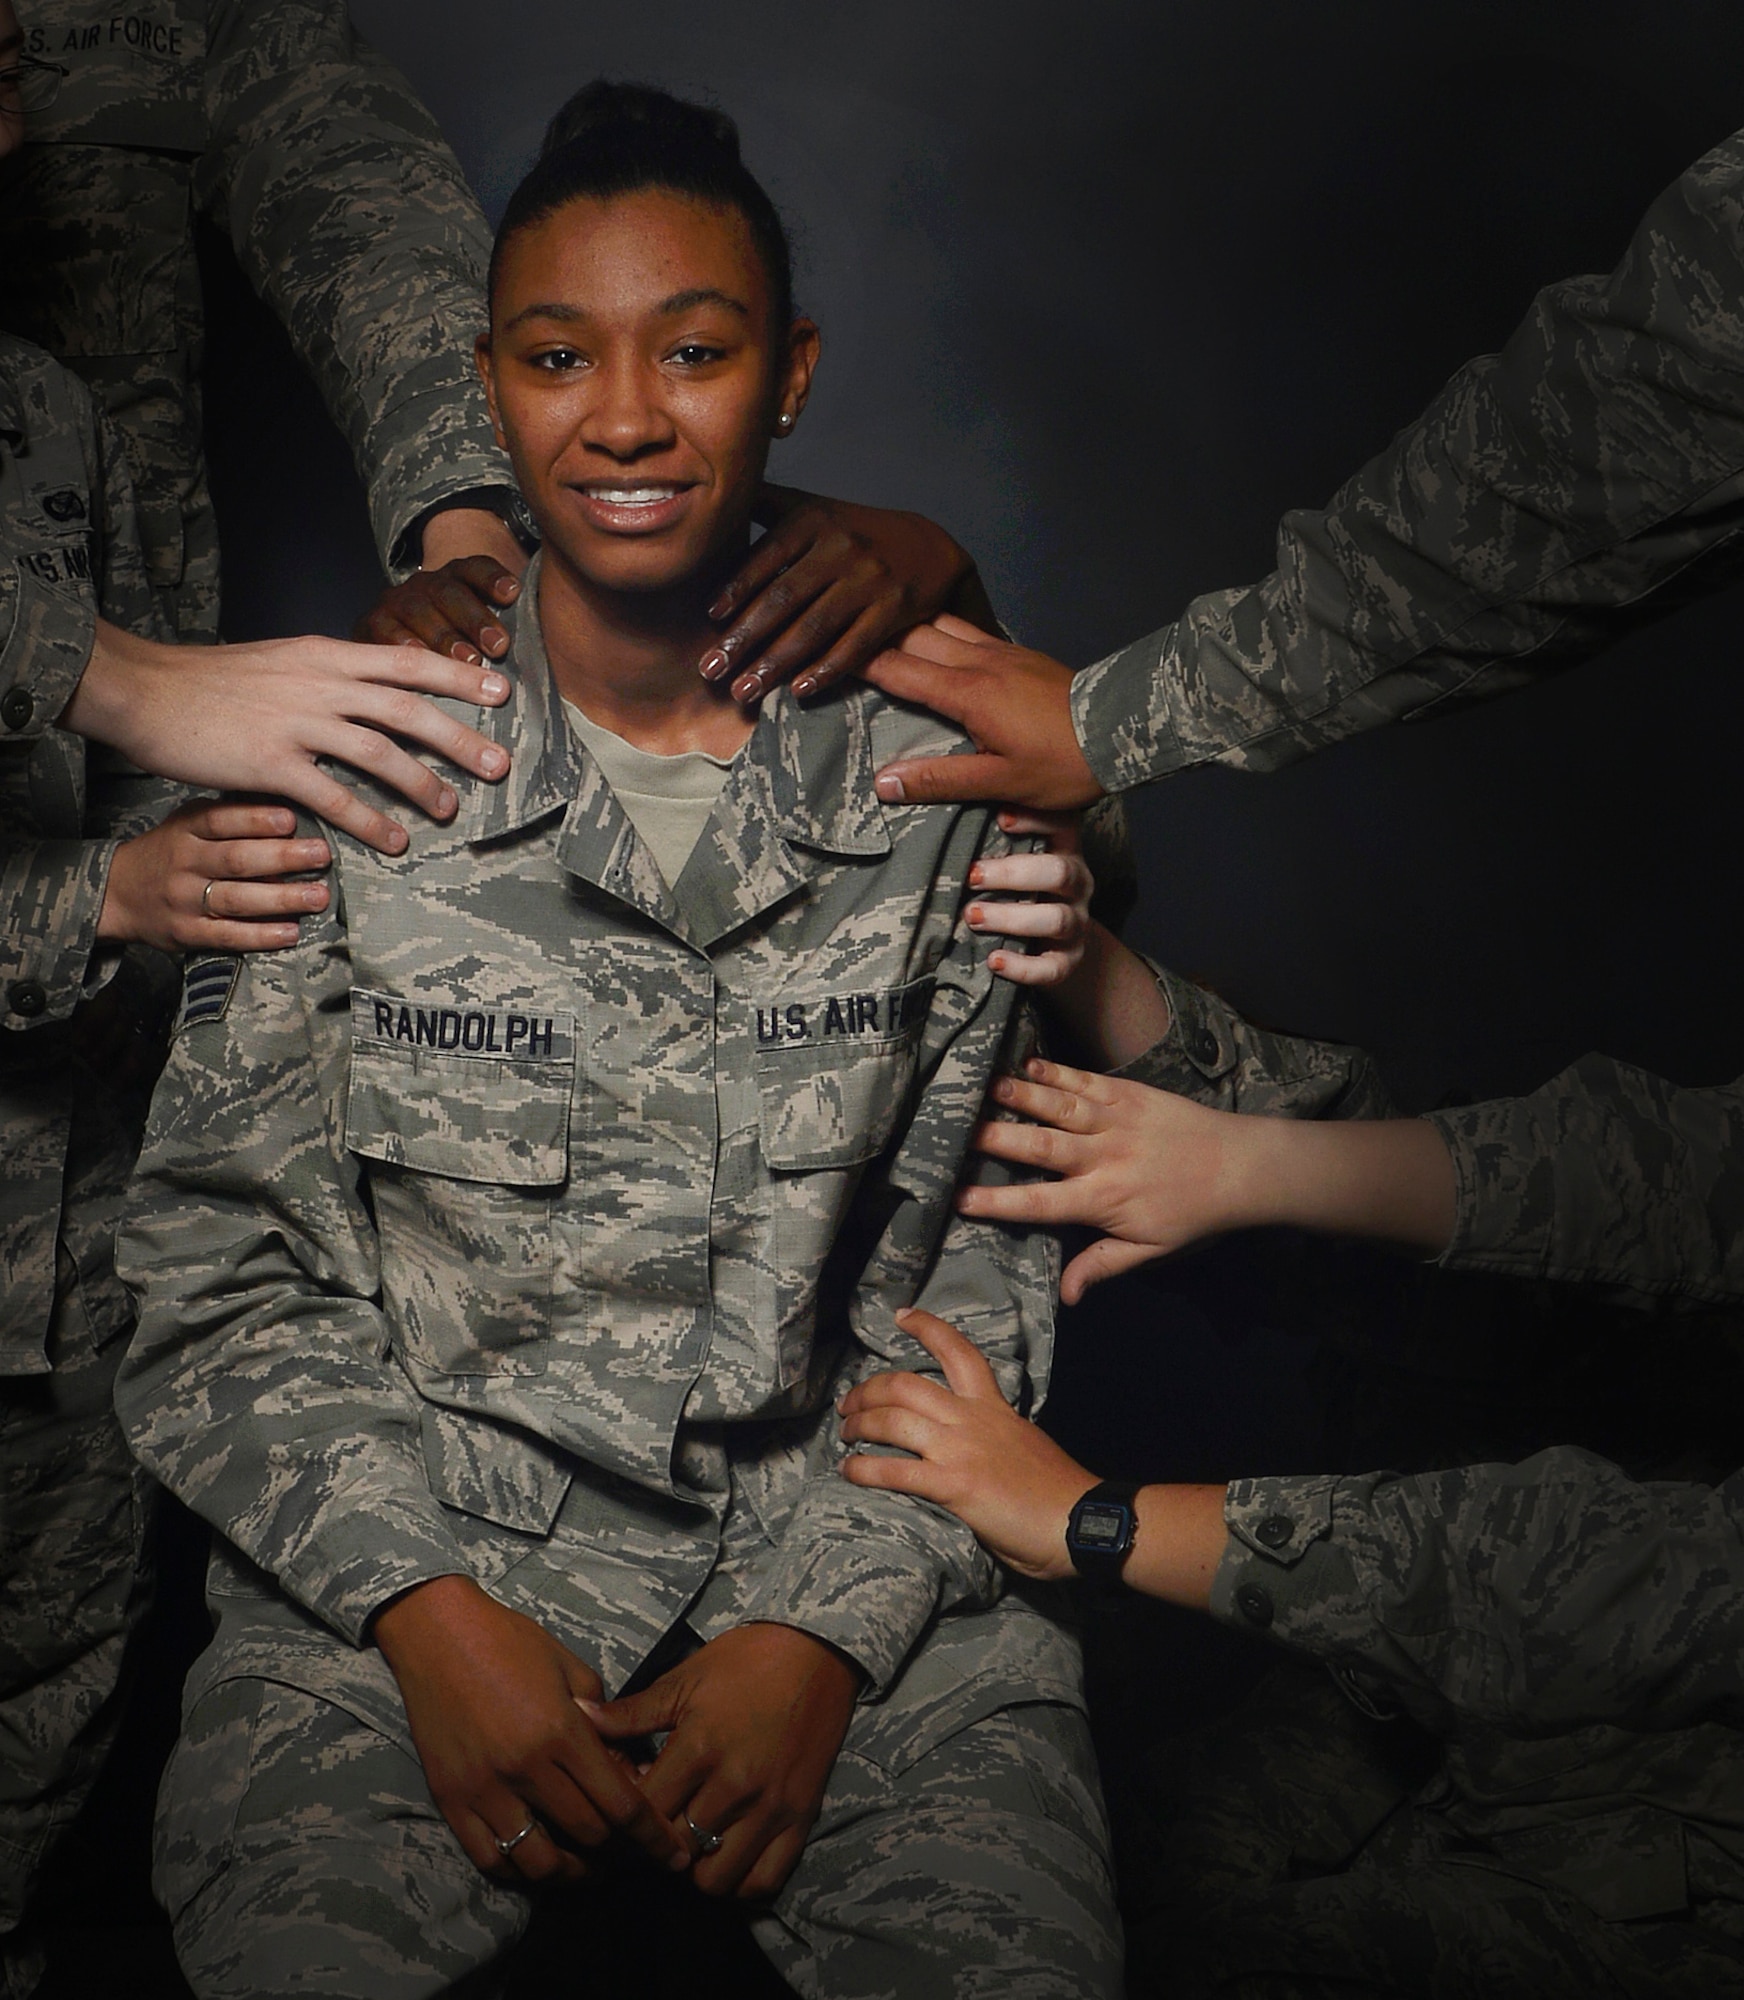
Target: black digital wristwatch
x,y
1101,1530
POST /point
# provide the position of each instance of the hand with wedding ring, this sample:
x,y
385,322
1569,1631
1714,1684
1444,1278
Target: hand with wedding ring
x,y
511,1758
211,878
755,1719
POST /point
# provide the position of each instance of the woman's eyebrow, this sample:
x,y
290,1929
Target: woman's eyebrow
x,y
702,295
679,302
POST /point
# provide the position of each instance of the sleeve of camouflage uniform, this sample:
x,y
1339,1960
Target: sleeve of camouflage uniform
x,y
255,1388
1607,1176
1213,1056
1534,1597
353,220
866,1570
52,883
1590,473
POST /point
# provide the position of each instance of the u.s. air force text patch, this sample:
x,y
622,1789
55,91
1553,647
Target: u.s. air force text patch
x,y
404,1026
207,984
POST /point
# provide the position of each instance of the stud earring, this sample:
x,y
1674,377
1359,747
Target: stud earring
x,y
784,422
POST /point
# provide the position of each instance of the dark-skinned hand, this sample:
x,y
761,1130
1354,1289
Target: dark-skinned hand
x,y
756,1719
829,586
1016,706
493,1703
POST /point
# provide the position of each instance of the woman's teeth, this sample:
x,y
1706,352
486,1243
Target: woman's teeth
x,y
632,496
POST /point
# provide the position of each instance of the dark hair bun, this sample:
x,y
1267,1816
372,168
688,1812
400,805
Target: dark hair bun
x,y
612,139
603,113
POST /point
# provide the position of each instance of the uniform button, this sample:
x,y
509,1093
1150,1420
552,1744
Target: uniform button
x,y
1205,1046
26,997
16,708
1255,1605
1274,1531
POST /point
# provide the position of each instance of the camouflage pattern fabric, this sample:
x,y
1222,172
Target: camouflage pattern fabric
x,y
527,1219
1302,1849
80,1038
346,209
298,1850
74,1510
1551,494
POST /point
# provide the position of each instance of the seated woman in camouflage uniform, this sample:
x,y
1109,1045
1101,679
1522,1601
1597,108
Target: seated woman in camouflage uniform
x,y
505,1247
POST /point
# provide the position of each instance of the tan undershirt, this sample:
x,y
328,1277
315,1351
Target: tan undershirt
x,y
666,799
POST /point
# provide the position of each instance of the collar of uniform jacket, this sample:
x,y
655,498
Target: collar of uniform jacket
x,y
803,781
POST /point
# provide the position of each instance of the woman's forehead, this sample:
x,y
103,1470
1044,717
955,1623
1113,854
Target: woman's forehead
x,y
631,252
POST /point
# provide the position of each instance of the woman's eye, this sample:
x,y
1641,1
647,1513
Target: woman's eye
x,y
695,354
557,360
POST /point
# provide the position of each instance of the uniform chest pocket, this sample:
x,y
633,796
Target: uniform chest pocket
x,y
469,1152
836,1099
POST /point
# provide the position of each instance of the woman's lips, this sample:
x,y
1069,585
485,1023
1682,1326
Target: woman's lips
x,y
642,509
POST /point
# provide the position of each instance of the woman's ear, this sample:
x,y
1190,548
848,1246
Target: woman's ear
x,y
484,362
803,344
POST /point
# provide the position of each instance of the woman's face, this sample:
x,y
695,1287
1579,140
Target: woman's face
x,y
636,381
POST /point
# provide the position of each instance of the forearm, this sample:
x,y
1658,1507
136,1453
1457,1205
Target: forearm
x,y
1607,1175
52,892
1545,1595
470,531
1111,1009
1387,1179
1492,542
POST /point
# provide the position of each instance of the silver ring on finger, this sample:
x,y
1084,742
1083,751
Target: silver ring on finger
x,y
205,899
506,1847
706,1843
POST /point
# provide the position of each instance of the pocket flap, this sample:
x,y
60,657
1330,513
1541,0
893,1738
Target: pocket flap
x,y
472,1093
498,1475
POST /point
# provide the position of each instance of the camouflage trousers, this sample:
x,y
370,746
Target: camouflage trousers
x,y
73,1514
1288,1859
299,1853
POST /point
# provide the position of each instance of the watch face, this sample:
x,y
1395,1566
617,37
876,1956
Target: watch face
x,y
1101,1525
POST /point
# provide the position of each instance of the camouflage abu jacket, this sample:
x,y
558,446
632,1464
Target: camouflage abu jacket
x,y
527,1183
344,205
69,548
1596,462
1575,1636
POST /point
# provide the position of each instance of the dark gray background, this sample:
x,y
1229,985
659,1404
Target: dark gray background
x,y
1106,288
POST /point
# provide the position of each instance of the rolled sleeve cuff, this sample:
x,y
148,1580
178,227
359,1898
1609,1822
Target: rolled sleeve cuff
x,y
1281,1564
1504,1177
53,897
1120,713
1197,1054
857,1595
46,651
428,462
368,1555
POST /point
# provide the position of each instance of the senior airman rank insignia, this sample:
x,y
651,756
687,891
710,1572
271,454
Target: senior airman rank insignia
x,y
207,984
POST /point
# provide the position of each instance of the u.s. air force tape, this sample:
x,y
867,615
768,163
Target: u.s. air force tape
x,y
207,984
525,1032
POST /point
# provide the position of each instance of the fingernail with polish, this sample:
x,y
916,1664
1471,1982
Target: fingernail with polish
x,y
712,665
888,786
806,684
493,638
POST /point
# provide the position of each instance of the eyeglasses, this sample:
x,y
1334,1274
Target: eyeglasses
x,y
30,85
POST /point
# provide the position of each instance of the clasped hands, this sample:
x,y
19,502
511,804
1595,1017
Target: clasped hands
x,y
530,1766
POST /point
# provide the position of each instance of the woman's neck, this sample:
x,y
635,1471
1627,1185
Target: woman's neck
x,y
628,662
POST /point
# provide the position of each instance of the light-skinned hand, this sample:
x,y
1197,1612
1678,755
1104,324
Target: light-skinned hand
x,y
1050,891
157,892
1005,1479
258,717
1016,706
